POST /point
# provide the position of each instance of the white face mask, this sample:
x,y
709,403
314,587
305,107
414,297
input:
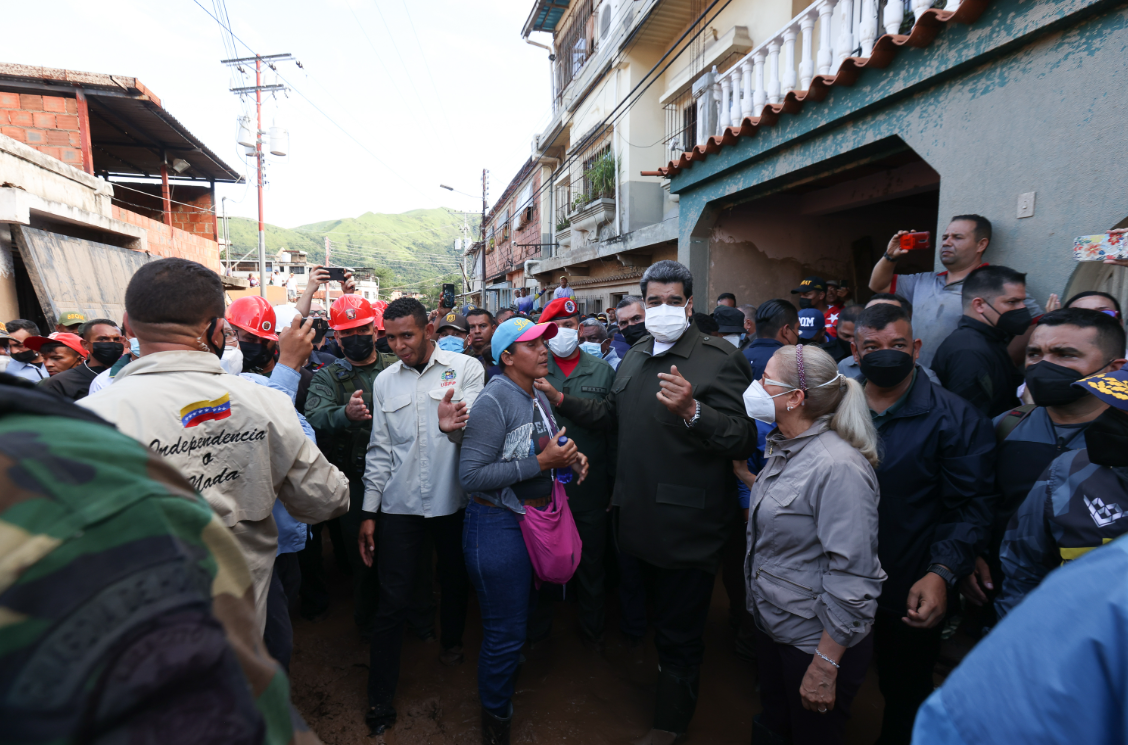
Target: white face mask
x,y
565,342
666,323
232,360
758,403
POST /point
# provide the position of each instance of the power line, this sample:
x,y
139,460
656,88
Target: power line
x,y
422,54
395,46
318,108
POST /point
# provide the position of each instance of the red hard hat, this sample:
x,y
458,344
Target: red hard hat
x,y
350,311
254,315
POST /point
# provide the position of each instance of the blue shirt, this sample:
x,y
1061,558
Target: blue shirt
x,y
27,371
292,534
1053,672
525,304
755,462
758,354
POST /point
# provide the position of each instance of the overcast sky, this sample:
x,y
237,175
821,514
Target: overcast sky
x,y
460,93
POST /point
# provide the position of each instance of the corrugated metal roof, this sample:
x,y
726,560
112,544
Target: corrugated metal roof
x,y
129,128
545,15
884,51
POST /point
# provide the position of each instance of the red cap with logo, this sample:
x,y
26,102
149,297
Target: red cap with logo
x,y
561,307
350,311
254,315
74,341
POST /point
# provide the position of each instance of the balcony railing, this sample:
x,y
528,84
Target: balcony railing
x,y
789,59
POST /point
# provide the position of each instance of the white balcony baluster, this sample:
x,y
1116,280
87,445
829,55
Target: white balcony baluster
x,y
734,75
919,6
726,103
788,76
867,28
806,63
894,14
760,97
773,72
845,45
718,127
747,110
826,53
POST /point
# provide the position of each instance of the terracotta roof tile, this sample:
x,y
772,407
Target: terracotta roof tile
x,y
884,51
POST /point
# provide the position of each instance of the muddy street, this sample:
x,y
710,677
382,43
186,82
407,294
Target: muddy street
x,y
566,692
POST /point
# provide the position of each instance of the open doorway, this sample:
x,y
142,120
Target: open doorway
x,y
835,225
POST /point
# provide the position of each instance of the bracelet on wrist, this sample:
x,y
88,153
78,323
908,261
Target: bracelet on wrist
x,y
820,654
890,259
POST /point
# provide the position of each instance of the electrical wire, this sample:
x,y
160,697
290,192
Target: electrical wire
x,y
422,54
319,110
172,201
406,69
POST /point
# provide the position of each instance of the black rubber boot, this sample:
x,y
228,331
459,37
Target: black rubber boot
x,y
379,719
495,729
676,698
761,735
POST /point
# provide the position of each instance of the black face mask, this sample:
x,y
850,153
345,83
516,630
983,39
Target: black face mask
x,y
358,347
332,347
1052,385
217,351
25,357
256,356
805,302
1106,438
633,333
382,345
1013,322
106,353
886,368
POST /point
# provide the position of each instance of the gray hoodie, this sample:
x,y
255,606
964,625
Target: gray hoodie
x,y
497,444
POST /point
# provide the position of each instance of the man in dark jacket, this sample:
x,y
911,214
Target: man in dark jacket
x,y
777,325
937,492
103,345
1067,345
973,361
677,402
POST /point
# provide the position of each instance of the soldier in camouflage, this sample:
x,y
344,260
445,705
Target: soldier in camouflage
x,y
126,605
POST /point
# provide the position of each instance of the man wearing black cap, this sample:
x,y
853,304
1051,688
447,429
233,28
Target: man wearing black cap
x,y
812,294
730,322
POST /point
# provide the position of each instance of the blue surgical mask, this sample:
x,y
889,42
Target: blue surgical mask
x,y
593,348
451,344
135,347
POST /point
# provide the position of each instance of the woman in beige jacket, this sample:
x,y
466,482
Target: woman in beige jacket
x,y
812,569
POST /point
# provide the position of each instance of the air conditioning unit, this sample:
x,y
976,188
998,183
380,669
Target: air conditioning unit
x,y
609,11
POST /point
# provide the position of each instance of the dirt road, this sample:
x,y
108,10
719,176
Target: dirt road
x,y
566,693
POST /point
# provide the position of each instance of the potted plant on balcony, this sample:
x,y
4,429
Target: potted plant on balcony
x,y
598,205
564,232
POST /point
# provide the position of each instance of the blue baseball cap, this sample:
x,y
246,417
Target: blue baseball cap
x,y
519,329
811,322
1110,387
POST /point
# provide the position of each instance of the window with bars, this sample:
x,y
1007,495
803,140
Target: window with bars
x,y
574,47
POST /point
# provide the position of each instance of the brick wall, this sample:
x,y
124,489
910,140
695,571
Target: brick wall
x,y
508,255
47,123
191,205
166,241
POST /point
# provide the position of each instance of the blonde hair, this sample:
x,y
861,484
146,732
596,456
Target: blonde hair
x,y
844,404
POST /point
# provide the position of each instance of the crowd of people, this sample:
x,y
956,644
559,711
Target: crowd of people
x,y
864,478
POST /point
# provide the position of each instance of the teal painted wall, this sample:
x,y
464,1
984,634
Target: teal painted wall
x,y
1032,97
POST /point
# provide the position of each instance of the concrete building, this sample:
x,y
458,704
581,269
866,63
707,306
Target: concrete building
x,y
823,147
96,177
795,139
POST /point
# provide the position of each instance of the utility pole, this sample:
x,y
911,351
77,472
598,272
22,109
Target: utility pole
x,y
258,88
482,229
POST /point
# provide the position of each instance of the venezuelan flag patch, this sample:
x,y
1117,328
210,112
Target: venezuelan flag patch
x,y
206,411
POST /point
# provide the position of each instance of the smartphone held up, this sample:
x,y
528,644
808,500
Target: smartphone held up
x,y
914,241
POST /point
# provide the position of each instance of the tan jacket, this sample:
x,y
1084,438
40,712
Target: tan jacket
x,y
240,445
812,534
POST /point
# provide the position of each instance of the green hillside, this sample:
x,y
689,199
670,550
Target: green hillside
x,y
412,250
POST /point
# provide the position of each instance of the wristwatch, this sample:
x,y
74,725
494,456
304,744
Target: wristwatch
x,y
944,573
890,260
696,415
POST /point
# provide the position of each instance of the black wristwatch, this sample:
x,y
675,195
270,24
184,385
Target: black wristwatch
x,y
890,260
944,573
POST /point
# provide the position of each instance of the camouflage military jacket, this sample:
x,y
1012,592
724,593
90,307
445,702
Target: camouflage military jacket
x,y
126,607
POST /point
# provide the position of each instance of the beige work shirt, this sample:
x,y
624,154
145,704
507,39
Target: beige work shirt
x,y
240,444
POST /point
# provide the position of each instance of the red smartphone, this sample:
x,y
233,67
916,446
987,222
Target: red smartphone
x,y
913,241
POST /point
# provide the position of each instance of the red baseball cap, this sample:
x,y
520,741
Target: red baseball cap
x,y
561,307
74,341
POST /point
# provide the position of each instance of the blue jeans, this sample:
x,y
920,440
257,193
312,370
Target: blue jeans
x,y
499,568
